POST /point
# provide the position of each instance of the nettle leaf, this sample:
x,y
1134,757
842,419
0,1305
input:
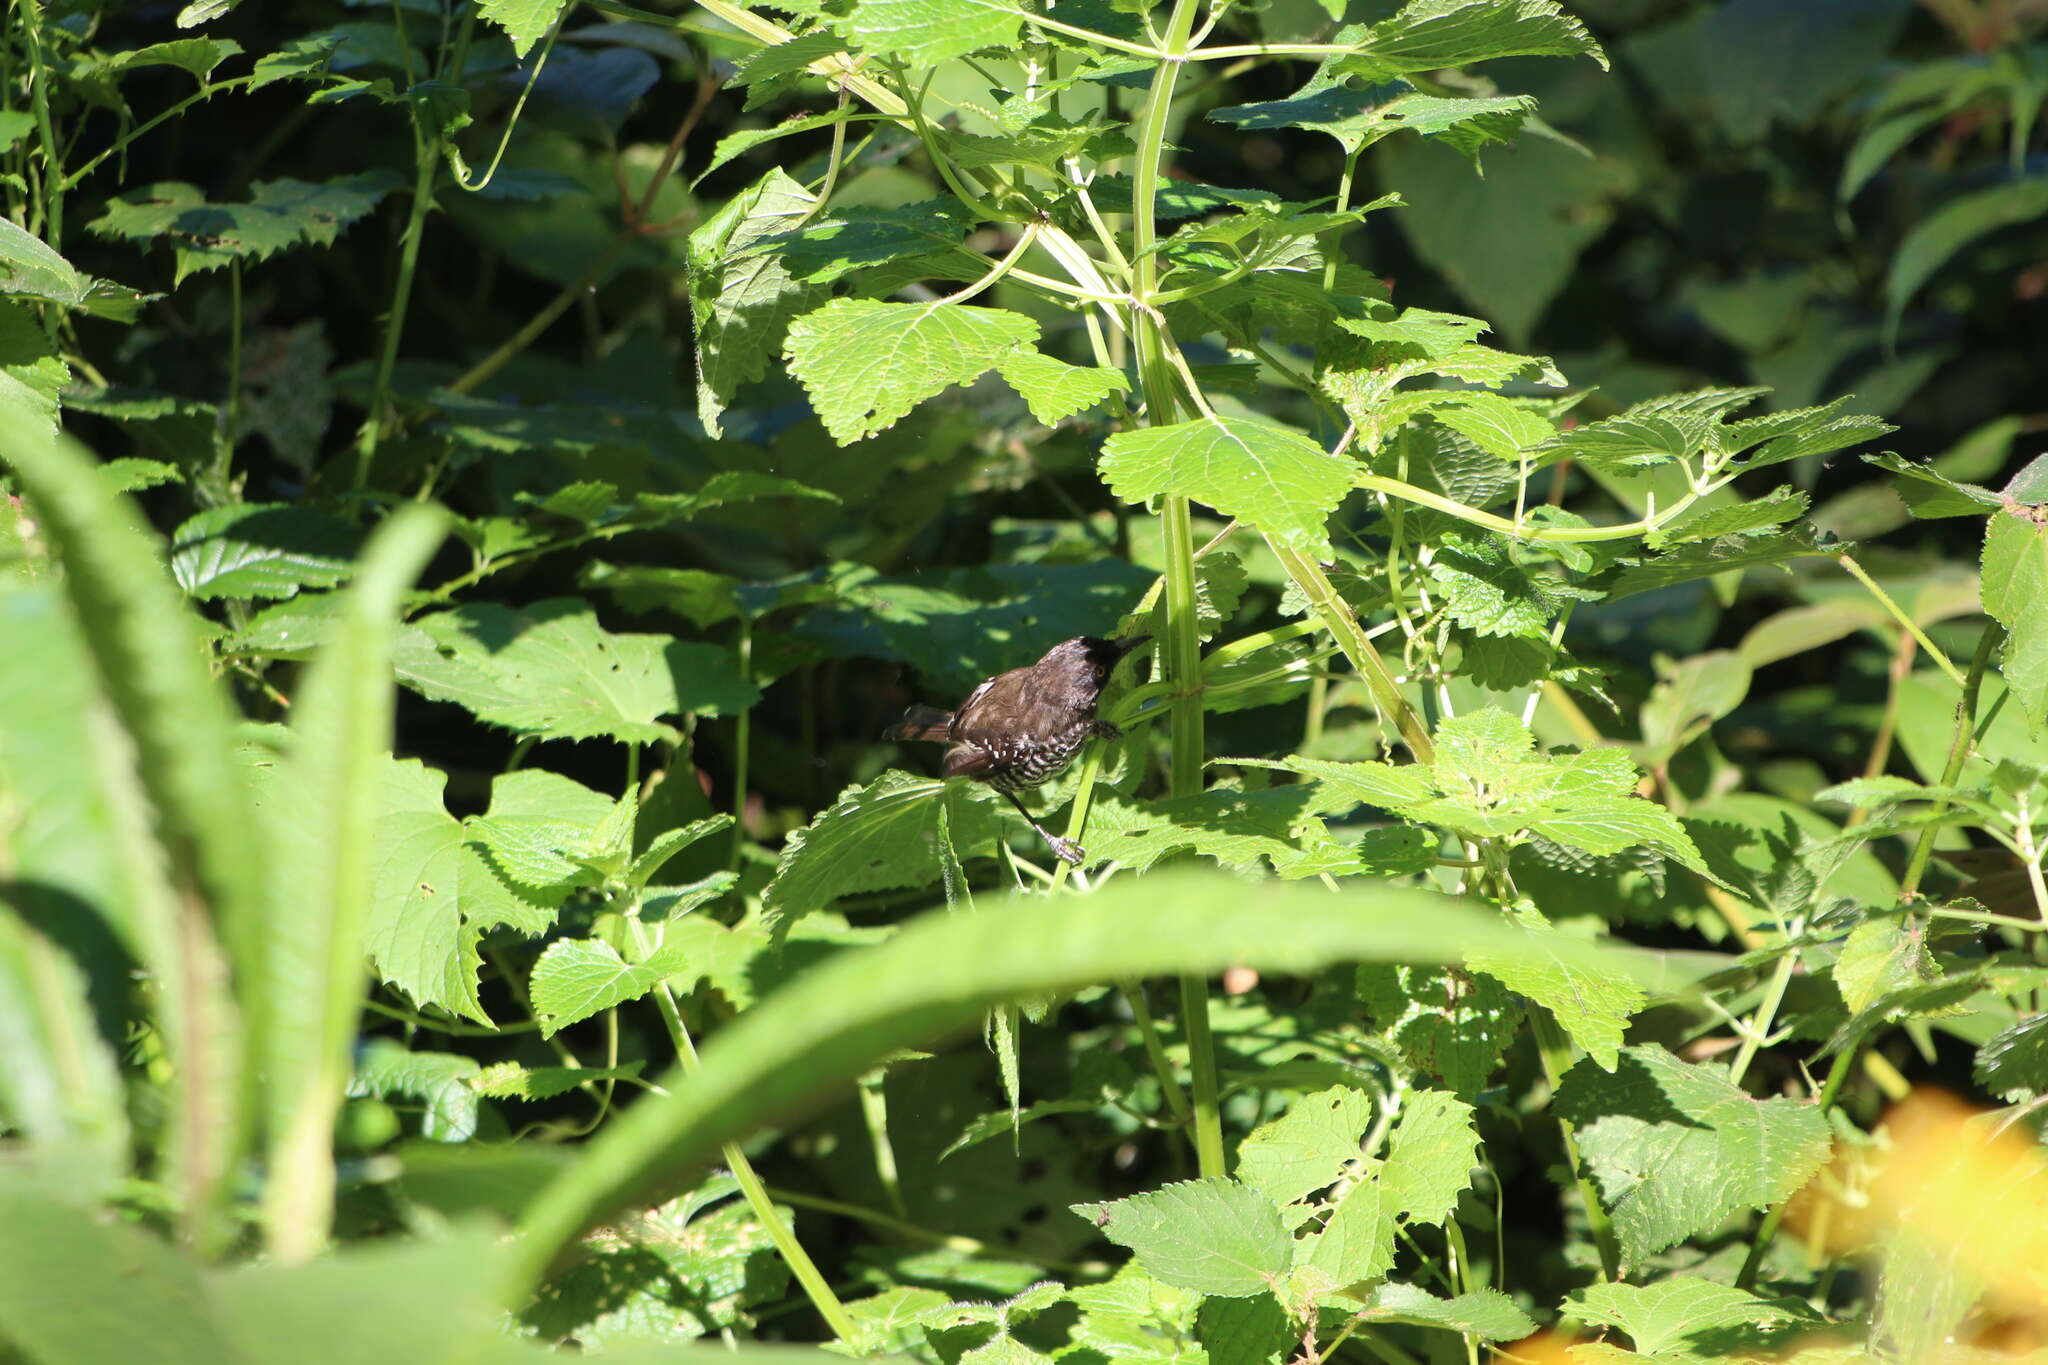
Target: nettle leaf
x,y
2015,592
578,977
1356,1242
1427,35
439,1080
536,822
1929,493
511,1081
1880,958
1307,1148
435,894
31,372
1430,1157
551,672
1053,389
928,32
1452,1025
878,837
525,22
1501,427
1212,1236
1706,558
866,363
1359,118
1775,508
1271,477
280,214
866,236
1484,1313
1593,1007
2014,1062
1687,1318
741,298
1488,591
31,269
1238,829
1677,1148
197,56
268,550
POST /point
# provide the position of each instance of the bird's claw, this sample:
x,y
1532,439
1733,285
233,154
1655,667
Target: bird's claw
x,y
1067,851
1106,730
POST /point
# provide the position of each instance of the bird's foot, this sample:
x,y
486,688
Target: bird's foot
x,y
1103,729
1066,850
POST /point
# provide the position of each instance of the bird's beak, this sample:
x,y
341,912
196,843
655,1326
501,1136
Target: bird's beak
x,y
1126,646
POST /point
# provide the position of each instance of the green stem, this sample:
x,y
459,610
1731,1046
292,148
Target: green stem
x,y
1958,754
1557,1059
55,182
744,732
1766,1014
224,455
1911,626
1155,1052
793,1254
427,154
1337,617
1208,1111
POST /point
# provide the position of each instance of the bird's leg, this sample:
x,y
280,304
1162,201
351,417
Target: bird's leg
x,y
1066,850
1103,729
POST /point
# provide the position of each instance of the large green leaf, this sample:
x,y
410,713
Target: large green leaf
x,y
1677,1148
1213,1236
31,269
31,372
248,550
551,672
1686,1318
1427,35
866,363
1308,1147
312,989
2015,588
1269,476
280,214
927,32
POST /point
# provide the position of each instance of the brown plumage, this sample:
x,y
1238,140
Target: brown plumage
x,y
1024,727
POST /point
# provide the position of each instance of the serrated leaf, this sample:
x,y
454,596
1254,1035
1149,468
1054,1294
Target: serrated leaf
x,y
1272,477
511,1081
785,59
742,298
280,214
2015,594
536,822
1706,558
866,363
270,550
1677,1148
32,269
1053,389
1484,1313
1430,34
876,837
1929,493
1685,1318
552,672
927,32
1211,1236
1881,957
1356,1243
2014,1061
434,895
1430,1157
31,372
866,236
525,22
1592,1007
1449,1024
1308,1147
440,1080
578,977
1502,429
1775,508
1238,829
1488,591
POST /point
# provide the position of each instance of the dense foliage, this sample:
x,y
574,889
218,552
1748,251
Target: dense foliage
x,y
480,475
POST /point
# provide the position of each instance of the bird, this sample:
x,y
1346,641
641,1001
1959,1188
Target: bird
x,y
1023,728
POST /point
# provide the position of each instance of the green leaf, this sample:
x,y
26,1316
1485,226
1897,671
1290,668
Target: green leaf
x,y
742,298
1686,1318
1054,389
1677,1149
2015,593
1706,558
31,372
1356,1243
1308,1147
866,363
526,22
1950,228
435,894
551,672
1272,477
511,1081
1212,1236
1775,508
927,32
1359,118
280,214
1237,829
1689,697
1484,1313
735,145
1593,1007
31,269
385,1068
876,838
538,826
1450,1025
578,977
1430,34
1880,957
785,59
1929,493
2014,1061
1488,590
198,56
269,550
1497,426
1429,1157
320,906
865,236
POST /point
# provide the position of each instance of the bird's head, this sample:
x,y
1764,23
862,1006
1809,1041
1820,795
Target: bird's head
x,y
1084,663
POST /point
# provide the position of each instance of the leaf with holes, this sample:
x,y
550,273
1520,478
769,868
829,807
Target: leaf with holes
x,y
1212,1236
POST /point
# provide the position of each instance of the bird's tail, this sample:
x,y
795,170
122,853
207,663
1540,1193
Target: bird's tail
x,y
922,722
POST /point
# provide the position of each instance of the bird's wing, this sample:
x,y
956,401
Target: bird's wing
x,y
1003,707
922,722
966,760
